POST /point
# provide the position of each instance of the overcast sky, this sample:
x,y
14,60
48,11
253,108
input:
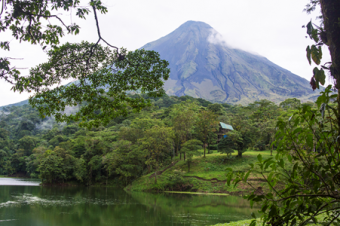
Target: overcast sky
x,y
270,28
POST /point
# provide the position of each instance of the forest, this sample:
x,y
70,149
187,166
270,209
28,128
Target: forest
x,y
135,144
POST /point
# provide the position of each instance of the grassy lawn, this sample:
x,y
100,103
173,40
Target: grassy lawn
x,y
206,175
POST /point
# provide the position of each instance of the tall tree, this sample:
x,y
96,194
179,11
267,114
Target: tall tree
x,y
191,148
183,120
206,124
157,143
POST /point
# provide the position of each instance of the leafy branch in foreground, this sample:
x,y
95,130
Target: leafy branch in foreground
x,y
303,178
105,74
101,89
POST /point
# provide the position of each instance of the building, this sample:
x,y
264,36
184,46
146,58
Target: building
x,y
224,128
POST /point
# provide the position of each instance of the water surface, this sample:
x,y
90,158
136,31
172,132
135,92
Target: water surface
x,y
23,202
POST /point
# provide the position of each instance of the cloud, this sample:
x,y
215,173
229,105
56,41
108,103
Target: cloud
x,y
49,122
218,39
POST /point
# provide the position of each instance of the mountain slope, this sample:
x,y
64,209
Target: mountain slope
x,y
203,67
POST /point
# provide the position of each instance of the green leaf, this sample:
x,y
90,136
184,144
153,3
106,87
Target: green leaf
x,y
309,56
309,140
319,75
281,163
245,178
310,28
253,223
259,157
316,54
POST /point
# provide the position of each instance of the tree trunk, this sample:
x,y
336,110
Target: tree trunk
x,y
239,154
331,13
156,173
271,151
90,176
204,149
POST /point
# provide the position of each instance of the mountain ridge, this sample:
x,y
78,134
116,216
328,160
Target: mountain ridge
x,y
216,72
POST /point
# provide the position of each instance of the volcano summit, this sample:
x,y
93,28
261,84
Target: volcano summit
x,y
206,68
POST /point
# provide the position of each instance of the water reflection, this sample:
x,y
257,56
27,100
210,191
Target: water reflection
x,y
19,182
69,206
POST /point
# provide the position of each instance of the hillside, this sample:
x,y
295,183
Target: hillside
x,y
201,66
206,175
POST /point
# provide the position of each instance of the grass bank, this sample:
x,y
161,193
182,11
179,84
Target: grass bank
x,y
259,222
239,223
206,175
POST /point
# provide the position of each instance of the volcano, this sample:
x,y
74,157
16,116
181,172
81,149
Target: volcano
x,y
205,68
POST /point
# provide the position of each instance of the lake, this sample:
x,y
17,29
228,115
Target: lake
x,y
24,202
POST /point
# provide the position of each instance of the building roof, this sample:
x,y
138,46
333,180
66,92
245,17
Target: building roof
x,y
226,126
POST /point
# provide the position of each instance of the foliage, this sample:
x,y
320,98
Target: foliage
x,y
157,145
303,177
128,147
127,161
225,146
190,148
234,141
183,118
104,74
206,125
291,103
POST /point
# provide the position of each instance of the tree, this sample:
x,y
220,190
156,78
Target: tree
x,y
327,34
205,125
51,169
27,143
127,161
183,117
190,148
156,143
104,74
224,147
216,108
136,129
303,178
290,103
234,141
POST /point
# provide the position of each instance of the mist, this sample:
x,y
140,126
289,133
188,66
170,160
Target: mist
x,y
217,38
49,122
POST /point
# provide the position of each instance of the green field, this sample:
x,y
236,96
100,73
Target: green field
x,y
207,175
